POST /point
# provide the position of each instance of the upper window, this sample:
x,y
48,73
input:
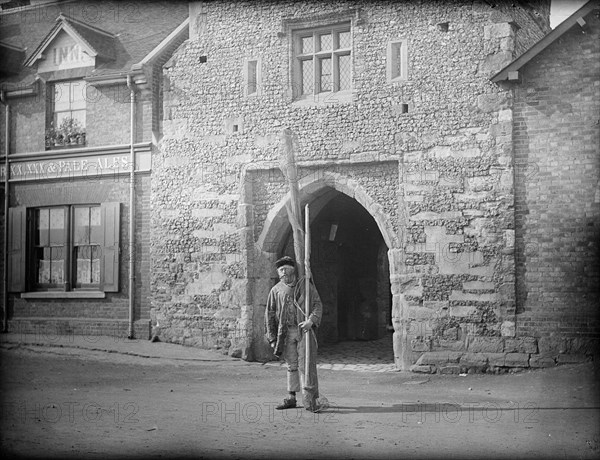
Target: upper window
x,y
66,124
69,102
322,61
252,77
397,60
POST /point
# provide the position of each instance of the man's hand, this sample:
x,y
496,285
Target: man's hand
x,y
306,325
272,345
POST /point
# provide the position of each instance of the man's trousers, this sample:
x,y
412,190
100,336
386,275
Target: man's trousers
x,y
294,352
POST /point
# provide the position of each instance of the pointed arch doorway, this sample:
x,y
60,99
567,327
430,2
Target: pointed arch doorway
x,y
350,268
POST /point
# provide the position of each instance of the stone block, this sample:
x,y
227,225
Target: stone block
x,y
517,360
552,344
495,62
491,102
422,369
496,359
463,310
565,358
485,344
520,345
473,359
435,304
454,356
452,369
478,286
499,30
245,215
448,345
538,361
420,345
508,329
433,358
465,296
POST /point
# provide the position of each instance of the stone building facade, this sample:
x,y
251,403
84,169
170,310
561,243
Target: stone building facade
x,y
405,148
70,264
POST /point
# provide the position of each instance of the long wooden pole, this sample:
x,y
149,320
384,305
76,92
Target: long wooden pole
x,y
307,287
290,171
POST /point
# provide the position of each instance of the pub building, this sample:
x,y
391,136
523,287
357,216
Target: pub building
x,y
81,118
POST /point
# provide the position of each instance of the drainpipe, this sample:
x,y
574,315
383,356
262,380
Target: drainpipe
x,y
6,205
130,85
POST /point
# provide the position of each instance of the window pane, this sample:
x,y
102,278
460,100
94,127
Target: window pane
x,y
57,266
62,93
79,115
77,95
345,64
50,264
326,42
307,45
344,40
43,225
307,69
326,74
59,117
95,227
57,226
43,265
87,259
81,228
396,60
95,265
251,77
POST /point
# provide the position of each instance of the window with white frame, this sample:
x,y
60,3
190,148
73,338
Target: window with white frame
x,y
69,102
397,60
322,60
252,77
65,124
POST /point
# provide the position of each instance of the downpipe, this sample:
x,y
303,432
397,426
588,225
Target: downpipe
x,y
131,331
6,206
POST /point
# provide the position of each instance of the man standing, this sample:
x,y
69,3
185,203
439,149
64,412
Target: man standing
x,y
287,329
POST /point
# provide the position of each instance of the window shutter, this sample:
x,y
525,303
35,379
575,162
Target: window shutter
x,y
110,246
16,248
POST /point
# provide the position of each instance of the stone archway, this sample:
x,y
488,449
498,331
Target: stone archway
x,y
271,241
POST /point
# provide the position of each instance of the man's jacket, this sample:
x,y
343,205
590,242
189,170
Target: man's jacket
x,y
284,300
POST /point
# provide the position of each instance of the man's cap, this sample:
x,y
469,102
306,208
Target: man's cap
x,y
286,260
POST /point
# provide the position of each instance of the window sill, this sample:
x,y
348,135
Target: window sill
x,y
323,99
63,295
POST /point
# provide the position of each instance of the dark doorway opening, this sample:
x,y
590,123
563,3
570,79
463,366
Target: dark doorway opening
x,y
350,269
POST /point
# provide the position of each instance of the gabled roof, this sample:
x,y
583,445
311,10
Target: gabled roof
x,y
95,42
545,42
137,29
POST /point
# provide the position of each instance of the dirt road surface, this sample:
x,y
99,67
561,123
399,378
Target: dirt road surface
x,y
74,403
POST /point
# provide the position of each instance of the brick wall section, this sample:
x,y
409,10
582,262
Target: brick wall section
x,y
107,118
28,312
448,161
27,123
557,134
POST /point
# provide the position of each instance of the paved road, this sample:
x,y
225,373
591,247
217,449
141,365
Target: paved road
x,y
70,401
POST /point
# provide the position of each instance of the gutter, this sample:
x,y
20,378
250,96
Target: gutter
x,y
132,88
6,206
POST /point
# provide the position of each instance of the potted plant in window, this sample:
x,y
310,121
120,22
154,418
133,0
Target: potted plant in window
x,y
69,133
